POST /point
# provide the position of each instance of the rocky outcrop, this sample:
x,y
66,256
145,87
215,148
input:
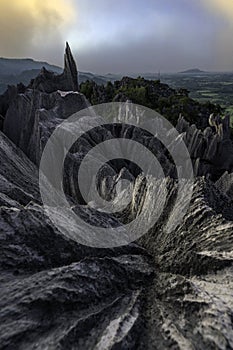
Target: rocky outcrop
x,y
225,184
48,81
54,292
196,277
212,149
32,116
7,98
170,289
35,115
59,294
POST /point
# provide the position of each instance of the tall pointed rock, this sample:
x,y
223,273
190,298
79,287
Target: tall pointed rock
x,y
70,68
49,82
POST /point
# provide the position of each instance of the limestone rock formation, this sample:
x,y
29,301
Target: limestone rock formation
x,y
7,98
53,289
67,81
45,82
212,149
169,290
59,294
34,112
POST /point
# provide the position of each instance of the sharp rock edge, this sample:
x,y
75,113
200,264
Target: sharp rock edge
x,y
170,290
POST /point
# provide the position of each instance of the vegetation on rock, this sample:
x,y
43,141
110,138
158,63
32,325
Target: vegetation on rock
x,y
152,94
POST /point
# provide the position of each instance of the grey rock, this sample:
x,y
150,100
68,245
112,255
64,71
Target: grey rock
x,y
54,292
90,304
225,184
59,294
48,81
18,175
212,149
170,289
7,98
33,116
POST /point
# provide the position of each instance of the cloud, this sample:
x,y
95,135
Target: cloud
x,y
220,7
223,10
152,39
121,36
31,27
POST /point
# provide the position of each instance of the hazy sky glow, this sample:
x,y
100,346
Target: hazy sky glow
x,y
121,36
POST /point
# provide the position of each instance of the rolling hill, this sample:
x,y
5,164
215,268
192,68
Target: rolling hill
x,y
14,71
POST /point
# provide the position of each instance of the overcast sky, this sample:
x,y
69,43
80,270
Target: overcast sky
x,y
122,36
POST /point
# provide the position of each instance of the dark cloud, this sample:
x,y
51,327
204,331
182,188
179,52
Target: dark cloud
x,y
123,36
33,27
136,36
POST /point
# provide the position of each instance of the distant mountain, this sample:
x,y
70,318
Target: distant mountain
x,y
14,66
98,79
14,71
193,71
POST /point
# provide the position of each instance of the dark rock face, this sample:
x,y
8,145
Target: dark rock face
x,y
168,290
52,288
210,150
49,81
7,98
34,113
59,294
45,82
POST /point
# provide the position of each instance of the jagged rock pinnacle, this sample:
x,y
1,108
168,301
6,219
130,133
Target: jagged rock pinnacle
x,y
70,68
50,82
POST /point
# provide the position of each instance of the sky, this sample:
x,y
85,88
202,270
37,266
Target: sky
x,y
123,36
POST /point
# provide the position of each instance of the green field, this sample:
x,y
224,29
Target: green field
x,y
214,87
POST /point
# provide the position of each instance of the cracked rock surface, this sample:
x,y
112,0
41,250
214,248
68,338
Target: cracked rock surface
x,y
168,290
